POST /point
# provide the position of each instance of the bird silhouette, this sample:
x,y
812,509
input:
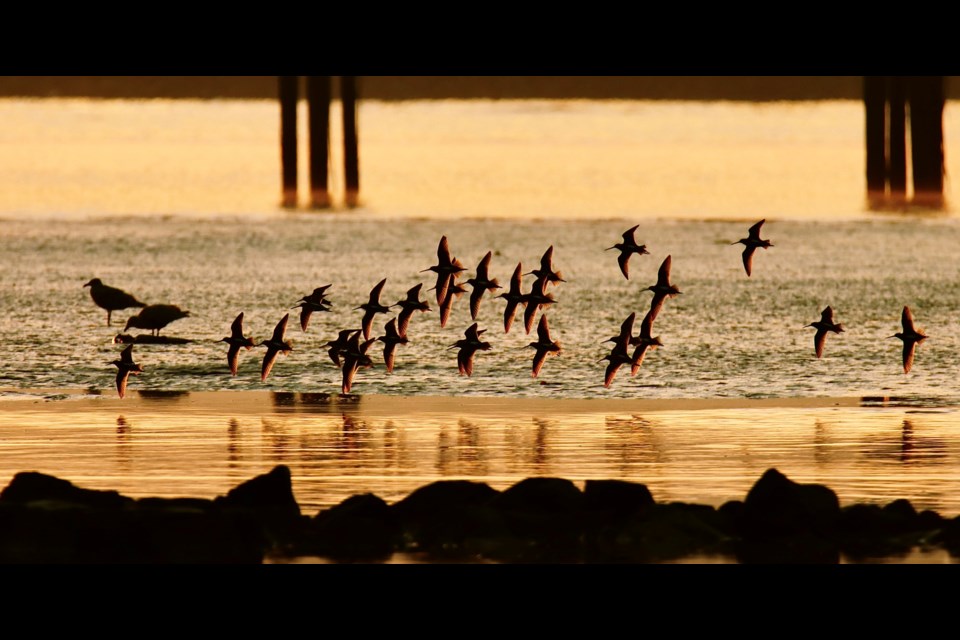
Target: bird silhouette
x,y
662,289
468,347
626,333
481,283
751,242
125,366
446,268
110,298
390,341
454,291
544,346
627,248
546,269
823,326
911,337
155,317
536,299
645,342
275,345
408,305
312,302
355,358
514,297
372,307
236,340
339,346
618,355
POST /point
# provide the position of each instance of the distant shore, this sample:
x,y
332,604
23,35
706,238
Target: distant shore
x,y
743,88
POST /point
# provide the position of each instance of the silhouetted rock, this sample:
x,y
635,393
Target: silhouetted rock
x,y
31,486
618,498
777,506
362,527
272,491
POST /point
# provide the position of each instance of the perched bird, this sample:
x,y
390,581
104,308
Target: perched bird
x,y
446,268
155,317
315,301
275,345
468,347
372,307
536,300
454,290
824,325
627,248
662,289
544,346
410,304
546,268
481,283
339,346
618,355
125,366
354,358
645,341
236,340
514,297
110,298
751,242
390,341
911,337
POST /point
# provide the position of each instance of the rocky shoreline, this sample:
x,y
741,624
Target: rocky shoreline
x,y
48,520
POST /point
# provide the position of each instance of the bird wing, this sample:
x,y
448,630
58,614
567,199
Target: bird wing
x,y
443,252
280,329
637,358
375,292
755,230
268,359
389,349
818,341
543,330
349,371
546,262
305,313
663,275
484,266
443,284
748,259
909,348
475,297
528,314
827,315
236,329
626,332
465,361
610,373
538,359
126,356
628,235
624,260
906,320
508,314
646,325
122,376
334,353
233,358
445,308
403,319
516,279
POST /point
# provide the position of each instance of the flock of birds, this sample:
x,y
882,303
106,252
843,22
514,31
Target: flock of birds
x,y
349,351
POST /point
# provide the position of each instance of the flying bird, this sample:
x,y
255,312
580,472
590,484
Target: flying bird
x,y
618,355
236,340
275,345
339,346
544,346
410,304
315,301
911,337
645,341
125,366
110,298
536,300
481,283
514,297
372,307
455,290
824,326
546,269
155,317
626,336
355,358
390,341
446,268
751,242
662,289
627,248
468,347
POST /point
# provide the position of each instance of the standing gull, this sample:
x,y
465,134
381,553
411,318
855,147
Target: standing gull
x,y
911,337
751,242
627,248
155,317
111,298
125,366
275,345
236,340
823,326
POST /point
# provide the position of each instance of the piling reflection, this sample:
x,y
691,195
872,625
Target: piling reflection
x,y
124,454
633,442
907,447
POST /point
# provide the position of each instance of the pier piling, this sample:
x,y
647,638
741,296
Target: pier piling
x,y
318,121
348,98
289,89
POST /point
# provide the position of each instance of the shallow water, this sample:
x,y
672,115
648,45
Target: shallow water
x,y
176,203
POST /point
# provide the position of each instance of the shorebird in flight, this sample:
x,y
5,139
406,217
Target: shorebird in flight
x,y
372,307
468,347
626,333
110,298
514,297
751,242
911,337
454,291
354,358
481,283
544,346
408,305
315,301
125,366
390,341
155,317
446,268
236,340
618,355
275,345
824,326
537,299
627,248
662,289
339,346
645,341
546,271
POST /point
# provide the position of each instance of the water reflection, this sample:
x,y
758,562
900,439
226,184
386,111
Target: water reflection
x,y
633,441
233,443
157,394
124,455
906,447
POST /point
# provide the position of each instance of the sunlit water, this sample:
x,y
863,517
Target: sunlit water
x,y
176,203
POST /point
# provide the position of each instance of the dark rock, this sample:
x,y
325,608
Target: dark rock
x,y
270,491
541,495
617,498
360,528
436,497
30,486
777,506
